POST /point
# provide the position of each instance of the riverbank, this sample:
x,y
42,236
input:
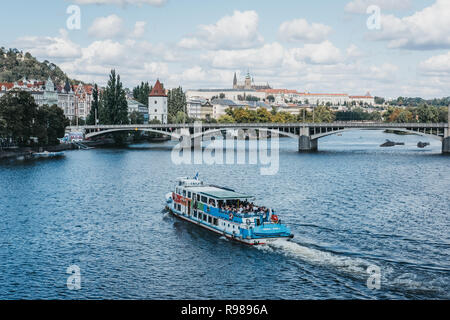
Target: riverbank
x,y
26,152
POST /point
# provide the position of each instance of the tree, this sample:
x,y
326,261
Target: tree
x,y
114,106
94,107
136,118
226,119
141,93
18,111
176,101
50,124
427,113
222,96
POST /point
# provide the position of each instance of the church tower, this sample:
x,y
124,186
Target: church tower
x,y
248,82
235,83
157,104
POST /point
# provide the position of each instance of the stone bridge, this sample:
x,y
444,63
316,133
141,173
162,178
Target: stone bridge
x,y
307,134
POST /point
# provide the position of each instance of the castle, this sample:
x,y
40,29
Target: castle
x,y
249,84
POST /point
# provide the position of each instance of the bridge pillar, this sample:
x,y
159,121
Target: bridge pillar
x,y
306,144
446,145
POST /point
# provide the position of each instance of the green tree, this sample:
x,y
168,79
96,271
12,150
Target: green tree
x,y
18,111
427,113
226,119
136,118
141,93
176,101
114,103
94,107
50,124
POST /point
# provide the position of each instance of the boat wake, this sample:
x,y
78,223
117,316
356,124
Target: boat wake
x,y
354,266
392,277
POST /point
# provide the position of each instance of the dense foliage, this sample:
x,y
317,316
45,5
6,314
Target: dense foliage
x,y
141,93
176,104
21,119
113,108
15,65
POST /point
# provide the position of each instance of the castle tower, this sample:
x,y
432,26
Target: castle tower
x,y
157,103
248,82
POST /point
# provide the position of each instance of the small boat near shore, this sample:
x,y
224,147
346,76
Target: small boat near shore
x,y
46,154
390,143
225,212
422,145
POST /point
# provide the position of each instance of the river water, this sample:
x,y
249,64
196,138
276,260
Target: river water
x,y
351,206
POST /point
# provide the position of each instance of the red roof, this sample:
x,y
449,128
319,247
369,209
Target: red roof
x,y
361,97
158,90
278,91
324,94
7,85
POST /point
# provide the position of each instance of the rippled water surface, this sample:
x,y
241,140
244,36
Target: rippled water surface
x,y
350,205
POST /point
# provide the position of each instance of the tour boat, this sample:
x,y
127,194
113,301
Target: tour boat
x,y
225,212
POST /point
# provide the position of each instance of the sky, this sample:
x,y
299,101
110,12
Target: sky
x,y
389,48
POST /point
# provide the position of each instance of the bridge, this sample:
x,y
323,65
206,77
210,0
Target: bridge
x,y
307,134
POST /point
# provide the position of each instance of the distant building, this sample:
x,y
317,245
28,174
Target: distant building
x,y
157,103
363,100
75,101
199,109
220,105
249,84
136,106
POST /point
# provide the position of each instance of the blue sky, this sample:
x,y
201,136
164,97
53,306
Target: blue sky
x,y
315,46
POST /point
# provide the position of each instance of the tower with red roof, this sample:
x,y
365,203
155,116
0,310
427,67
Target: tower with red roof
x,y
157,103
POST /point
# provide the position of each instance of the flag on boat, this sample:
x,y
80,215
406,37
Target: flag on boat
x,y
196,176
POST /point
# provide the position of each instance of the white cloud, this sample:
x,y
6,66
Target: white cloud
x,y
301,30
360,6
156,3
424,30
106,27
267,56
438,65
353,51
322,53
139,29
58,48
238,31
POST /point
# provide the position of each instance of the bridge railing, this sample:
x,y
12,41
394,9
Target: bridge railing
x,y
268,125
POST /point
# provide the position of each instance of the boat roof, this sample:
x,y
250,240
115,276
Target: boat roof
x,y
218,193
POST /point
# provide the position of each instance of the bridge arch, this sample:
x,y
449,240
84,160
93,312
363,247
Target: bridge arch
x,y
99,133
212,131
329,133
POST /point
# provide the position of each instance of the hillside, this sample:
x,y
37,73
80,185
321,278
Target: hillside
x,y
14,65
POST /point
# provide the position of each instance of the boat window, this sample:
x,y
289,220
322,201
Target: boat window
x,y
198,197
189,194
204,199
212,202
216,222
209,219
200,216
184,193
205,217
195,213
